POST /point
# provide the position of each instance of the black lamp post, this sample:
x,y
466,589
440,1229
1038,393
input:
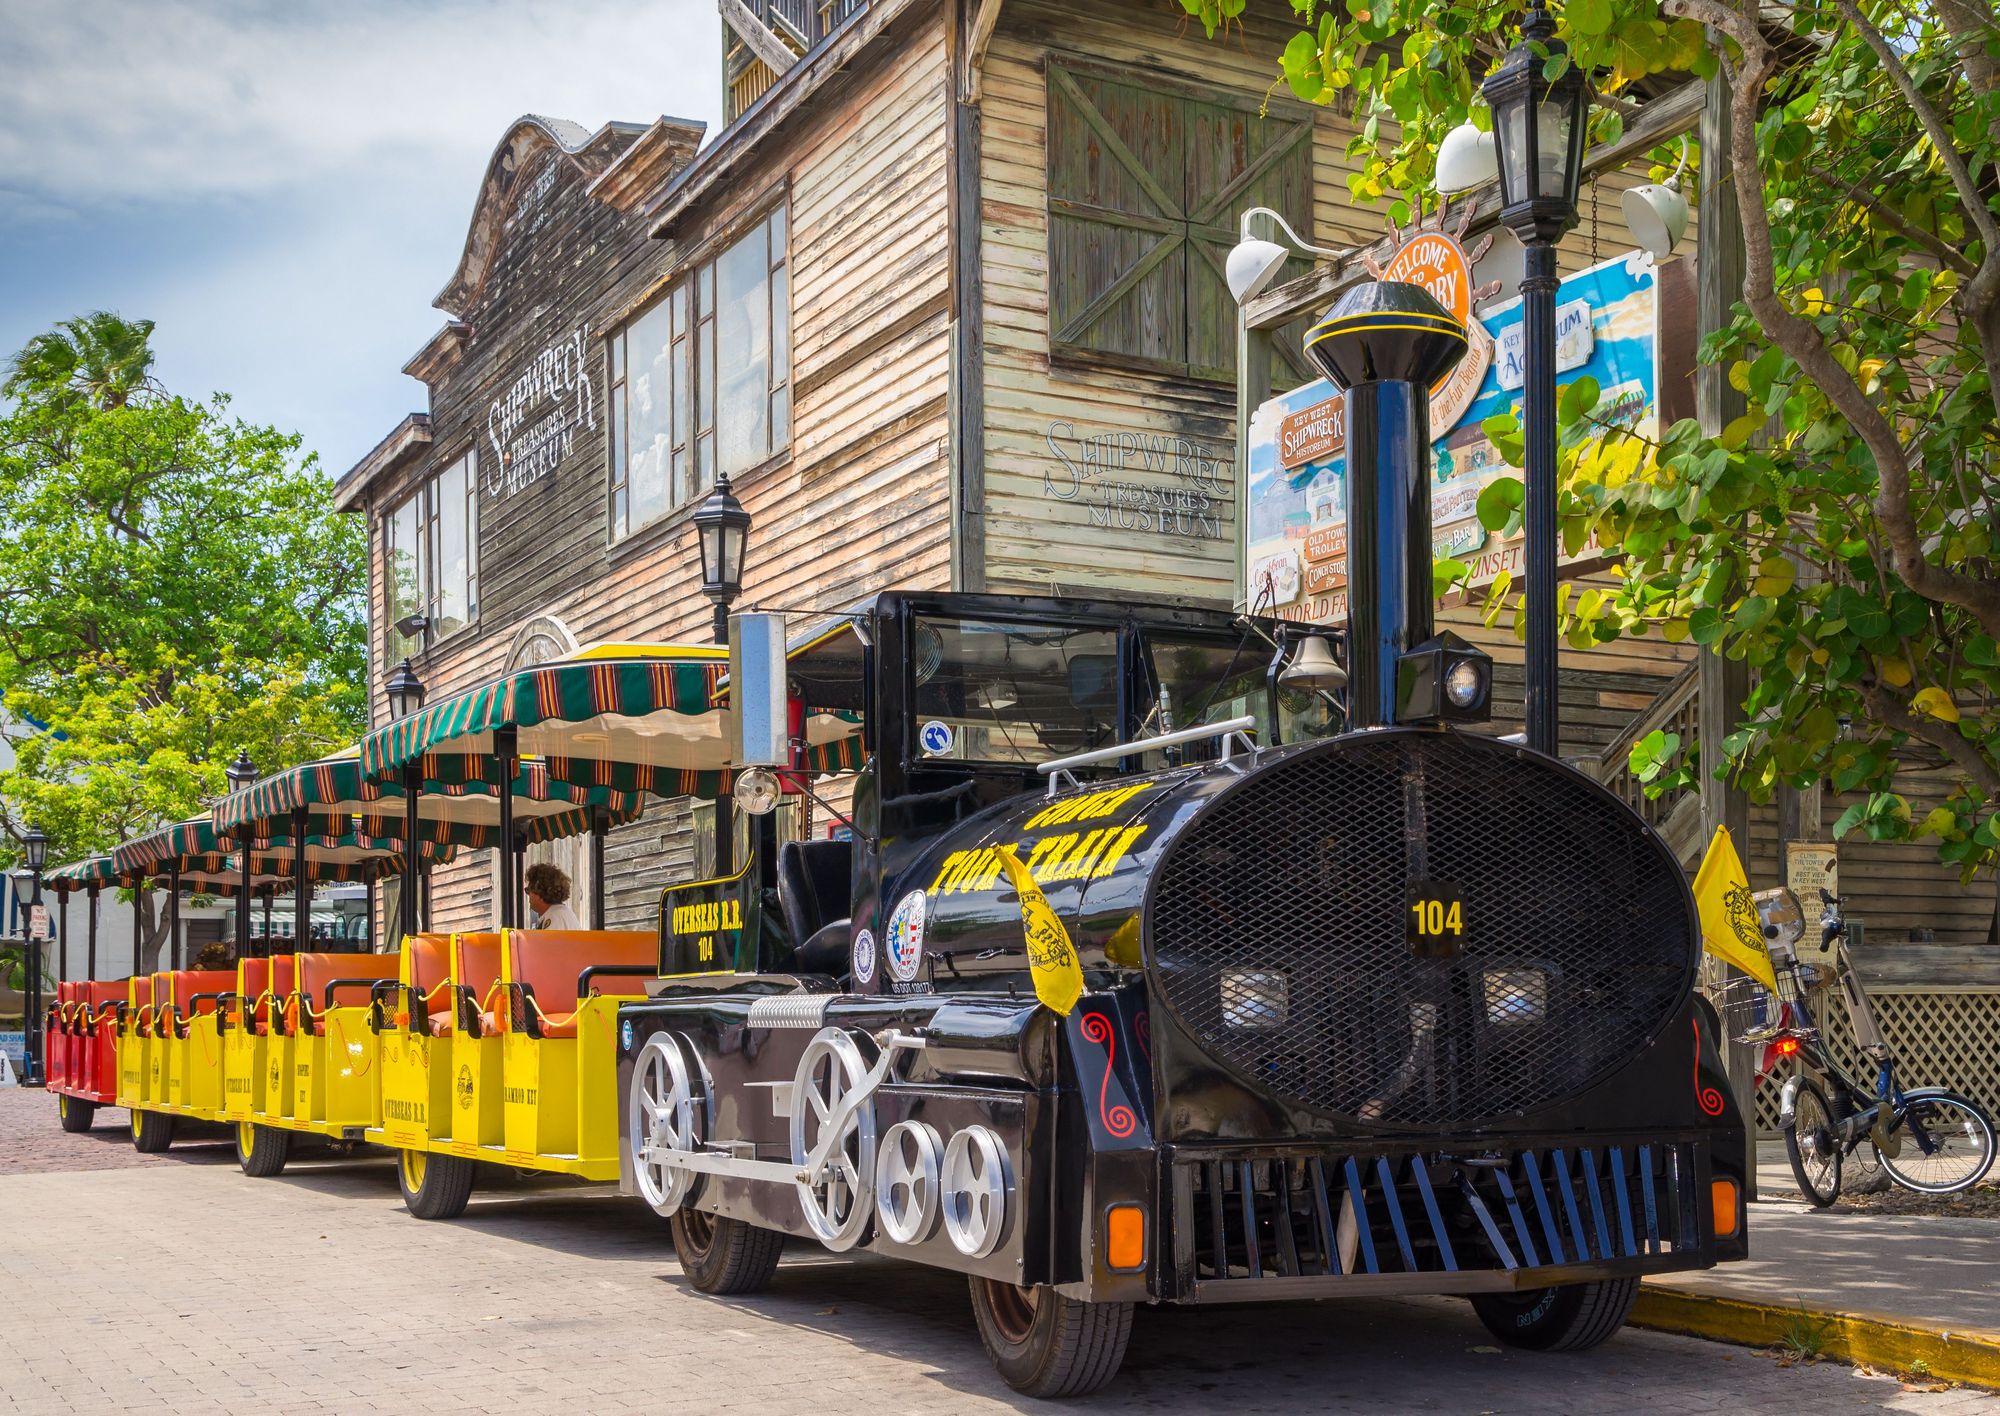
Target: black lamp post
x,y
240,774
1539,126
34,855
406,696
722,527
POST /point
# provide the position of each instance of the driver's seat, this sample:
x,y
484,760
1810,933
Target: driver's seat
x,y
815,889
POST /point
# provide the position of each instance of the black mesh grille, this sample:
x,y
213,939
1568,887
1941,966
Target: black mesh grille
x,y
1278,930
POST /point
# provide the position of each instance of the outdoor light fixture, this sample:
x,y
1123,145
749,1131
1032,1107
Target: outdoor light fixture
x,y
242,772
722,527
34,850
1444,680
1540,125
1657,213
1254,262
1466,159
405,691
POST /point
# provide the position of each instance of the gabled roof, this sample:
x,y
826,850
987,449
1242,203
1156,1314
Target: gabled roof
x,y
527,138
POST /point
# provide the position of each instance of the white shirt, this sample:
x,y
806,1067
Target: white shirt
x,y
559,916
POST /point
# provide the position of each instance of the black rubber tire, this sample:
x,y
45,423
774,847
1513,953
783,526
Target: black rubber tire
x,y
75,1116
1570,1317
1046,1345
152,1131
723,1256
1809,1106
439,1186
269,1149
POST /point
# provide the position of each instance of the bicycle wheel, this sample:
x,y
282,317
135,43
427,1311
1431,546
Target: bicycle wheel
x,y
1814,1149
1961,1143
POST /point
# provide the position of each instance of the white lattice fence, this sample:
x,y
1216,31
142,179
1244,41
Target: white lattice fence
x,y
1941,1037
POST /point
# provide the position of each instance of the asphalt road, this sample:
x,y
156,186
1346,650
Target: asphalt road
x,y
175,1283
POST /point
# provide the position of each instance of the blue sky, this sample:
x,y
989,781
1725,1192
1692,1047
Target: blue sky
x,y
284,185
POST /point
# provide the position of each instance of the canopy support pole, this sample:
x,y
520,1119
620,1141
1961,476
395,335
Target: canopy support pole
x,y
138,924
90,929
267,920
301,886
504,754
520,900
598,826
413,786
176,942
243,900
62,936
424,874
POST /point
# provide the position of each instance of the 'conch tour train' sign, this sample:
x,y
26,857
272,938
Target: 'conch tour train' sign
x,y
533,425
1611,329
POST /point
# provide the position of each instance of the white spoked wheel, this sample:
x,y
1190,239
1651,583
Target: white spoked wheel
x,y
906,1182
839,1193
974,1183
665,1120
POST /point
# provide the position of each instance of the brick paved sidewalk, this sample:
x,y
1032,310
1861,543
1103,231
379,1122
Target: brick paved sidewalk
x,y
174,1282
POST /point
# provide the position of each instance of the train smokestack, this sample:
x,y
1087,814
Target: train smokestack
x,y
1386,344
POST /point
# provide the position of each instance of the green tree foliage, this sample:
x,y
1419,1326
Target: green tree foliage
x,y
1841,536
174,587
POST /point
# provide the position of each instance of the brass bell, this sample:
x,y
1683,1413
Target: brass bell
x,y
1313,667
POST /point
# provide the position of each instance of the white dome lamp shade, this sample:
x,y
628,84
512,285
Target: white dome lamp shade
x,y
1254,262
1657,213
1465,160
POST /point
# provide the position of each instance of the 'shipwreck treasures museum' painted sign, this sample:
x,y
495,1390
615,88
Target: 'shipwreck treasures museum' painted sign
x,y
534,424
1142,482
1296,522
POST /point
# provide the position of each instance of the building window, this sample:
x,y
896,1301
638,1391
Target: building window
x,y
431,550
701,381
1145,182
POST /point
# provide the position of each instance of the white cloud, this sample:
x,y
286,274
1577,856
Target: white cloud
x,y
134,100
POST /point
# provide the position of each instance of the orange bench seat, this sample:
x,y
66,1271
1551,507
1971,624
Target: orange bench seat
x,y
548,963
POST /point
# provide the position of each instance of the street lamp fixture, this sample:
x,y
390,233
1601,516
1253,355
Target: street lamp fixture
x,y
242,772
34,855
1539,126
1254,262
405,691
34,850
722,528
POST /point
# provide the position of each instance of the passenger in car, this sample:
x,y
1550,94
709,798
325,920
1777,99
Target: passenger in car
x,y
548,898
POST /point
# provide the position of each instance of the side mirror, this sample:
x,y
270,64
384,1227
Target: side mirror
x,y
760,733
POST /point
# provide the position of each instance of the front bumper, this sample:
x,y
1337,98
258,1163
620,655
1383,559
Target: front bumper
x,y
1272,1223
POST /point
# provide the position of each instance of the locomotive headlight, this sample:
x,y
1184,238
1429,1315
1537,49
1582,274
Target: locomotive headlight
x,y
1515,996
758,791
1465,684
1254,1000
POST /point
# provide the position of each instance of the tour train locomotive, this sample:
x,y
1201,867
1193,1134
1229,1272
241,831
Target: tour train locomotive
x,y
1160,955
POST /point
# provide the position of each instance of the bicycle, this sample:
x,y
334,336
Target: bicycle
x,y
1929,1139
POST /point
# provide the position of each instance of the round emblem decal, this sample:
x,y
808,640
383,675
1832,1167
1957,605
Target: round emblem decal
x,y
903,942
935,738
864,958
625,1035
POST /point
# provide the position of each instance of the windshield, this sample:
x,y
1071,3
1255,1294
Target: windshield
x,y
992,691
1210,680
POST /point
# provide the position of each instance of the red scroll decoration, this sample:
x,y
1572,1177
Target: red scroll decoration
x,y
1707,1098
1117,1117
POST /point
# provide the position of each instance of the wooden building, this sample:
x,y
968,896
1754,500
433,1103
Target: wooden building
x,y
945,299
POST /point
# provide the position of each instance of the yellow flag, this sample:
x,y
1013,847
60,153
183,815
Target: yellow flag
x,y
1051,957
1730,929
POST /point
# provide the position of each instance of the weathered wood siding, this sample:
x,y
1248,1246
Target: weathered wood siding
x,y
860,503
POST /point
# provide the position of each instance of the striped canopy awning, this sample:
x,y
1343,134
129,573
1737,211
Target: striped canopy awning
x,y
458,805
79,875
626,717
205,862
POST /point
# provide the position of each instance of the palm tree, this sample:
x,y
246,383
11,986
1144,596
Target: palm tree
x,y
100,358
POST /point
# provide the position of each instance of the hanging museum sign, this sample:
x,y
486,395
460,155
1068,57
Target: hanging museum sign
x,y
1610,321
533,425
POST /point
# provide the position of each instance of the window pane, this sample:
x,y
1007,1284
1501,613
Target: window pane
x,y
618,523
704,376
705,462
472,534
781,334
452,565
743,355
778,235
680,309
683,351
402,572
617,357
1015,692
781,416
648,408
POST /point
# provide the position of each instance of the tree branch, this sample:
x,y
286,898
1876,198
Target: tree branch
x,y
1945,254
1933,732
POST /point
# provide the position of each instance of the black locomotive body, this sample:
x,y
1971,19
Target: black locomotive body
x,y
1402,1009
